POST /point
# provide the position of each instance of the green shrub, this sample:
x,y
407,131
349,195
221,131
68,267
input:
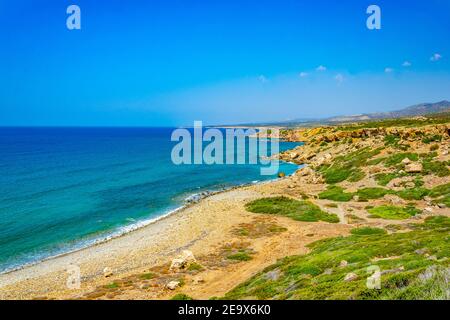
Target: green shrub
x,y
365,231
437,168
375,161
372,193
294,209
416,193
440,190
356,175
434,147
433,138
384,178
147,276
112,285
393,212
240,256
195,267
347,166
397,158
336,193
181,296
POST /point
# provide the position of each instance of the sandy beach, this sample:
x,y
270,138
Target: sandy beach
x,y
203,228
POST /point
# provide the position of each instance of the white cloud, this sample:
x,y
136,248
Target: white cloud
x,y
303,74
435,57
321,68
262,78
406,64
388,70
339,78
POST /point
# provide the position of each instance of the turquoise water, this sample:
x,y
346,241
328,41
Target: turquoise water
x,y
65,188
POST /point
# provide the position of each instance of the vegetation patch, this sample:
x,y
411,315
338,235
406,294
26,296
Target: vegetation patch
x,y
432,138
367,231
416,193
181,296
147,276
294,209
336,193
356,175
258,228
372,193
384,178
347,166
112,285
397,158
394,141
240,256
441,193
375,161
195,267
351,218
393,212
443,189
437,168
317,275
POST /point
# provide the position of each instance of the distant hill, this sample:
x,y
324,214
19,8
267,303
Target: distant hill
x,y
415,110
411,111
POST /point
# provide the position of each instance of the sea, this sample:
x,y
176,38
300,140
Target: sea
x,y
63,189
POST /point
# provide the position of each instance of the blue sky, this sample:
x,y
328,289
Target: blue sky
x,y
158,63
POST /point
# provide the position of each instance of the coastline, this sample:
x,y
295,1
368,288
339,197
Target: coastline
x,y
124,230
202,228
114,253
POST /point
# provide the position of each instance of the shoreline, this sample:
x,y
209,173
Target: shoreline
x,y
201,227
137,225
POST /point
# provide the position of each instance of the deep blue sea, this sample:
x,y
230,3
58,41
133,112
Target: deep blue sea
x,y
65,188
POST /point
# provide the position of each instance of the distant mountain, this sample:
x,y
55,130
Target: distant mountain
x,y
415,110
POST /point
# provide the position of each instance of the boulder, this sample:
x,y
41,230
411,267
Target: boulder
x,y
343,264
328,271
293,155
305,171
273,275
406,161
414,167
410,184
393,199
182,261
172,285
351,276
421,251
428,210
107,272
